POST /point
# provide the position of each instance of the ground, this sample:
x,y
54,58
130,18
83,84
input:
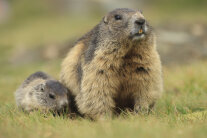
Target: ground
x,y
181,112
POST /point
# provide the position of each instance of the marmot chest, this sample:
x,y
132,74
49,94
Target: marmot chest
x,y
134,74
134,66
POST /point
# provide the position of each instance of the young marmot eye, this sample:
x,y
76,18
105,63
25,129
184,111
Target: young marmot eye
x,y
52,96
118,17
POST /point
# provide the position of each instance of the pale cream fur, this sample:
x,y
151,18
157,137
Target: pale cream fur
x,y
69,66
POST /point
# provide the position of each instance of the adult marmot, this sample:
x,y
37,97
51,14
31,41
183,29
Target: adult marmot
x,y
114,66
40,91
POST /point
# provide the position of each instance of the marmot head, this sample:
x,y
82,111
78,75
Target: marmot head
x,y
127,23
51,95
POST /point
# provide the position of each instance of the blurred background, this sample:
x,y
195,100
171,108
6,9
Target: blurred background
x,y
37,34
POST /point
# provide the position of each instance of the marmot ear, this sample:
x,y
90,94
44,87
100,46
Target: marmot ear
x,y
105,19
140,11
40,87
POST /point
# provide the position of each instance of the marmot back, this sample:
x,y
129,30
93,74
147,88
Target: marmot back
x,y
114,66
40,91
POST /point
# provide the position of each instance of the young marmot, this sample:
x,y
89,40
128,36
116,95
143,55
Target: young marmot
x,y
40,91
114,66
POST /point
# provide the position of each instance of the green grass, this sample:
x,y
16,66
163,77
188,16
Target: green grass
x,y
181,112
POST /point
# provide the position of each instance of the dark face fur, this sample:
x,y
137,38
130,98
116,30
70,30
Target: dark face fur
x,y
127,23
52,95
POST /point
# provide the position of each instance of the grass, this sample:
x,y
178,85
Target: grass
x,y
181,112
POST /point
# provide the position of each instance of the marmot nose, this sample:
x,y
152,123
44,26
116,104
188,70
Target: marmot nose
x,y
63,103
140,21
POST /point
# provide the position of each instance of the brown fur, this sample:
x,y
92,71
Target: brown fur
x,y
70,68
121,73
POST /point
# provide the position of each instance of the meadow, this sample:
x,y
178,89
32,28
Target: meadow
x,y
181,112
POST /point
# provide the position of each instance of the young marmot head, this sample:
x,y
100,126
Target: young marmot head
x,y
40,91
50,95
126,24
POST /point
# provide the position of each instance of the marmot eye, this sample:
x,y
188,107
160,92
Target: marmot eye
x,y
52,96
118,17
